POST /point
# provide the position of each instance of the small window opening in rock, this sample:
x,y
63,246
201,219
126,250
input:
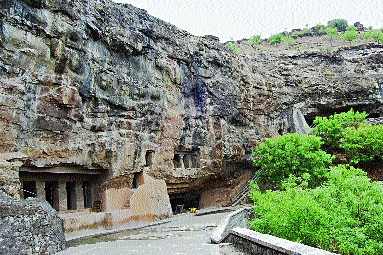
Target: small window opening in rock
x,y
177,161
71,196
51,194
149,158
29,189
87,193
187,161
135,180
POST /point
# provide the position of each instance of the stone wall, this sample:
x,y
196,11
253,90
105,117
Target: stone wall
x,y
232,229
260,244
29,227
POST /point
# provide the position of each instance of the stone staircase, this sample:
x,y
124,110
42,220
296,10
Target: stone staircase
x,y
242,194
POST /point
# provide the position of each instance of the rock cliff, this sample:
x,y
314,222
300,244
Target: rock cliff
x,y
98,85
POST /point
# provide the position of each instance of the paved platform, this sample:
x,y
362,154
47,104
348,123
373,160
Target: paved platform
x,y
185,234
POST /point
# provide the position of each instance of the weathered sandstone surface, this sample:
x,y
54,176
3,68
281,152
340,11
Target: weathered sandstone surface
x,y
97,85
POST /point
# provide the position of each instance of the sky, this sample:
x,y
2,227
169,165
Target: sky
x,y
229,19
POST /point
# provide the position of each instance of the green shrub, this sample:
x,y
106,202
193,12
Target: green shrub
x,y
340,24
303,32
343,215
363,144
319,28
274,39
367,36
288,40
350,35
332,32
351,28
291,154
377,35
254,40
233,47
331,129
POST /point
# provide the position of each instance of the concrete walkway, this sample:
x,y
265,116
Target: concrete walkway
x,y
186,234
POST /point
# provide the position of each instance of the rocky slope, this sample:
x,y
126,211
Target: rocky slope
x,y
97,85
29,227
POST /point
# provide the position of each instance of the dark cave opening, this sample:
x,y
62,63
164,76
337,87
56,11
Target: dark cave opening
x,y
183,201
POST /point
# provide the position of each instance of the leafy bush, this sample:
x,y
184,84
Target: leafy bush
x,y
367,36
319,28
254,40
351,28
303,32
350,35
363,144
233,47
331,129
288,40
332,32
274,39
340,24
343,215
291,154
377,35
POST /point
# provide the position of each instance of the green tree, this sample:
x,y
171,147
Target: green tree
x,y
274,39
350,35
363,144
332,32
291,154
340,24
331,129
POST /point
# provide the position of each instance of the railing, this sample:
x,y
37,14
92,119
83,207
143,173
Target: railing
x,y
27,191
235,200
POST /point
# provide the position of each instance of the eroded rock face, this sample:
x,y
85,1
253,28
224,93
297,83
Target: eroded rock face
x,y
30,226
105,86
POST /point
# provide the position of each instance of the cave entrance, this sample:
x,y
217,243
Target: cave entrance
x,y
87,193
71,195
65,188
51,194
183,201
137,180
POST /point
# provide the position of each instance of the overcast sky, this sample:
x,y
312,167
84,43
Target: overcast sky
x,y
244,18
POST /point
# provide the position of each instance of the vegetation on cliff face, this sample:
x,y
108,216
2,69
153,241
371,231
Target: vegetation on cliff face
x,y
336,208
336,32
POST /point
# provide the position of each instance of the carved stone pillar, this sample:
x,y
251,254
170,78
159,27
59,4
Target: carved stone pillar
x,y
62,196
40,191
79,196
